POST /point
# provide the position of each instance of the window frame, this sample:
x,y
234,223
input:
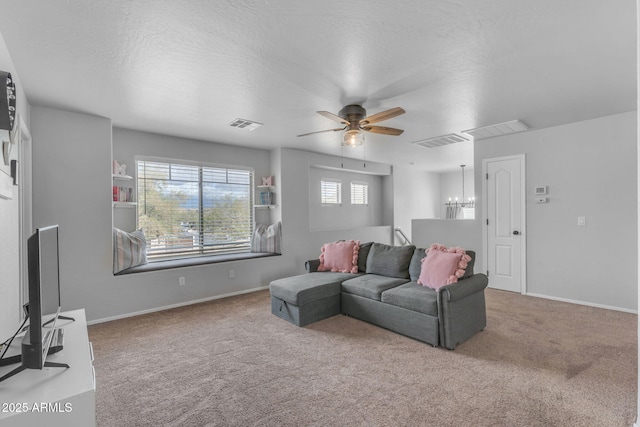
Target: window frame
x,y
365,193
338,192
201,249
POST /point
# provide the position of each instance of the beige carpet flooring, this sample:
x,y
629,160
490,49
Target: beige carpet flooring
x,y
230,362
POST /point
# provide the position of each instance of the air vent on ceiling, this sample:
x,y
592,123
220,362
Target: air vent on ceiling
x,y
245,124
439,141
497,130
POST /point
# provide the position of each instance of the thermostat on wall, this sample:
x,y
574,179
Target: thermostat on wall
x,y
541,190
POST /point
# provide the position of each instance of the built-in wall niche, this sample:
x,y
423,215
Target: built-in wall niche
x,y
124,205
457,194
329,211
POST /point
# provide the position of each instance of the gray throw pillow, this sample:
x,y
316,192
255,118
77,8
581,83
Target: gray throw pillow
x,y
363,253
416,263
390,261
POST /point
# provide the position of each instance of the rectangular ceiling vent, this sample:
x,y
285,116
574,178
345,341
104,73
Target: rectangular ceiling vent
x,y
500,129
245,124
439,141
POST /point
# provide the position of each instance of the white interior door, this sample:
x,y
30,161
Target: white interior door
x,y
505,222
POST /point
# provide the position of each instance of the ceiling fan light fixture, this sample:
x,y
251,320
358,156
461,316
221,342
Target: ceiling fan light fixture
x,y
353,138
352,118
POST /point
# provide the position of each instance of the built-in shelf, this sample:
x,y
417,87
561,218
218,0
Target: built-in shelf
x,y
123,177
265,206
124,204
265,196
122,184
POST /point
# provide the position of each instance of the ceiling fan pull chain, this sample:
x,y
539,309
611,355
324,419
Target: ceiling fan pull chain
x,y
364,156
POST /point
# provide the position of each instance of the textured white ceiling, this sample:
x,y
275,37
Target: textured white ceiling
x,y
188,68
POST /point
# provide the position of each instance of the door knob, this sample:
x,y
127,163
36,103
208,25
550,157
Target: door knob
x,y
516,232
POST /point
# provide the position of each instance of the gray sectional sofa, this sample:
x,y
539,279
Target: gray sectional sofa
x,y
385,292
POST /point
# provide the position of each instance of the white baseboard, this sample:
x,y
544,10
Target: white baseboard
x,y
589,304
181,304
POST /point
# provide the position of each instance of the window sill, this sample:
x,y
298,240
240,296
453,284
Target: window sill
x,y
188,262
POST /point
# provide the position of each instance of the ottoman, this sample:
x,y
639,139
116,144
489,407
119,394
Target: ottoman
x,y
308,297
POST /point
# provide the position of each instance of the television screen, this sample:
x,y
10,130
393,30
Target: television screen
x,y
49,273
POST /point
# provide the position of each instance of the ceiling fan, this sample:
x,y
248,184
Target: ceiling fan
x,y
354,121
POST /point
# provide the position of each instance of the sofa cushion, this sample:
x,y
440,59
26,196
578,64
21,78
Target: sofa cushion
x,y
362,256
370,285
340,257
390,261
413,297
305,288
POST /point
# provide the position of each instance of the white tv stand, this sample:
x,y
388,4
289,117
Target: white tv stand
x,y
53,396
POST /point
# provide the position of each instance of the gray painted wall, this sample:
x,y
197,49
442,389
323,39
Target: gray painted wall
x,y
590,168
71,181
450,232
323,217
300,241
415,195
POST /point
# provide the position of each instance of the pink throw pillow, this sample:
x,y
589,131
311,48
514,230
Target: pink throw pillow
x,y
442,266
340,256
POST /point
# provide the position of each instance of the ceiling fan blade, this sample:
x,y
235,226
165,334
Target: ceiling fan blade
x,y
383,115
333,117
321,131
383,130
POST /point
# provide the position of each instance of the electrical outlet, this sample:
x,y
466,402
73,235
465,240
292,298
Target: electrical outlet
x,y
182,281
232,274
582,221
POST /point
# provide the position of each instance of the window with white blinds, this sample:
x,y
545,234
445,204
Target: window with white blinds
x,y
191,210
330,191
359,193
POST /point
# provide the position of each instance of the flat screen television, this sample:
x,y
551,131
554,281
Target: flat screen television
x,y
44,295
44,300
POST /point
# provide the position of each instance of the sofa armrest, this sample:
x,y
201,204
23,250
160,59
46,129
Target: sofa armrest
x,y
461,309
465,287
312,265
